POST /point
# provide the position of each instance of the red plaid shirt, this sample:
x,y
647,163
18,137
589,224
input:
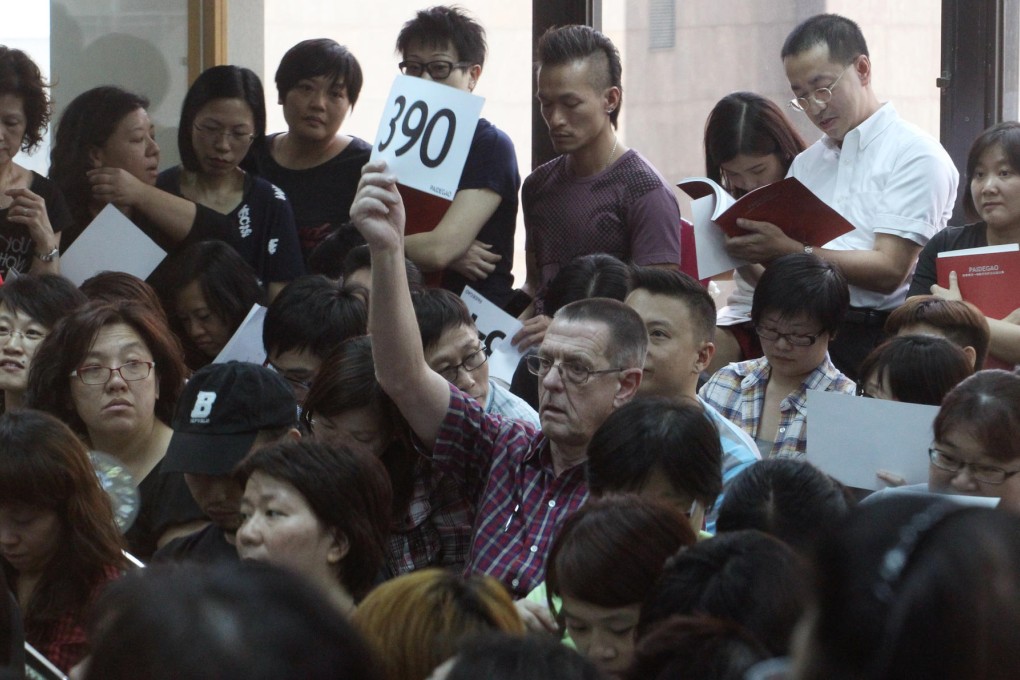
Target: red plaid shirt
x,y
507,469
437,528
65,643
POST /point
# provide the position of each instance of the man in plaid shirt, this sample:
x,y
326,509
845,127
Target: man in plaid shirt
x,y
523,482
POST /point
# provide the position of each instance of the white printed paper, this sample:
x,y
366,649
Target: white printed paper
x,y
710,241
246,342
852,438
111,242
425,134
495,329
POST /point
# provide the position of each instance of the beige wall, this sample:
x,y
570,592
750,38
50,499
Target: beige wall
x,y
140,45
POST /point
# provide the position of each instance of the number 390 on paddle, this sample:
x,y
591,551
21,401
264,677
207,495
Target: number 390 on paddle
x,y
425,133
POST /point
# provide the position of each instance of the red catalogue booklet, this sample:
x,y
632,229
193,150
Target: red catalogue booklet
x,y
788,204
988,277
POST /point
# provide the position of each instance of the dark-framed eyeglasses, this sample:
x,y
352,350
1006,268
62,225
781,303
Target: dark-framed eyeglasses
x,y
100,375
821,96
437,70
211,134
570,371
986,474
296,384
795,339
471,362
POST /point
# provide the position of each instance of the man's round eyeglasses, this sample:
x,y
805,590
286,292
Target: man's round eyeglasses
x,y
100,375
986,474
795,339
821,96
570,371
471,362
437,70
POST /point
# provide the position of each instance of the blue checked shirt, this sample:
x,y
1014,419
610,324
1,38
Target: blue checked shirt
x,y
737,391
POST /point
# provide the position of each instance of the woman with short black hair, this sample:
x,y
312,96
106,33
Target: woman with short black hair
x,y
320,510
30,306
799,303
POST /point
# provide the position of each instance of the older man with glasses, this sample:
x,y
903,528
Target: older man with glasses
x,y
893,182
523,482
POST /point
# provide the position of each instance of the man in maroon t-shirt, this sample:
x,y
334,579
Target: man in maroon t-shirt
x,y
598,196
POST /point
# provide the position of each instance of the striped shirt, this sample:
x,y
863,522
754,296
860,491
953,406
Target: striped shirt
x,y
503,402
436,531
739,452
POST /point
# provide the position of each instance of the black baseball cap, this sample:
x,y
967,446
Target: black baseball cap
x,y
220,412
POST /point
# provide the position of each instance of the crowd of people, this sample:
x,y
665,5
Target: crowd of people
x,y
637,502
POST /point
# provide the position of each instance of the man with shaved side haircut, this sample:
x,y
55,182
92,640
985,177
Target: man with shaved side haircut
x,y
598,196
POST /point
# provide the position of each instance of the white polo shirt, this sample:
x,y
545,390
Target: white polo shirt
x,y
889,177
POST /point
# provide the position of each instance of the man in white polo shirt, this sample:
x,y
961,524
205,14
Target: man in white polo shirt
x,y
895,183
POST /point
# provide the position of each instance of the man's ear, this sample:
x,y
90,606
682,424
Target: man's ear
x,y
293,434
475,72
612,97
862,67
338,551
705,354
630,380
971,356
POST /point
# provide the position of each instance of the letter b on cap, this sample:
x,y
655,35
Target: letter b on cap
x,y
203,405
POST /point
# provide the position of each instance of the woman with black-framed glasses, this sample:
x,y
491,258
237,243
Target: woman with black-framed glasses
x,y
976,449
113,372
798,304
